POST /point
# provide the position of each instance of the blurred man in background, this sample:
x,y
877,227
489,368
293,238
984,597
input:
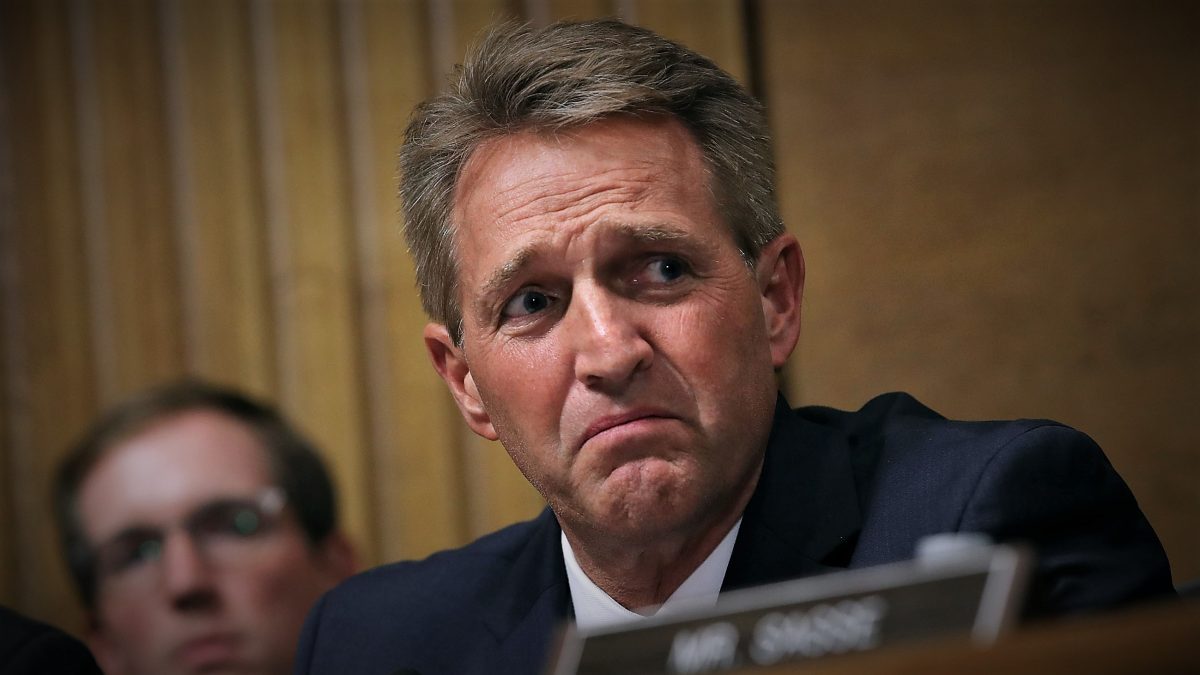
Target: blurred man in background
x,y
29,647
199,527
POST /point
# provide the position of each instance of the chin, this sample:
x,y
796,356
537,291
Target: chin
x,y
650,517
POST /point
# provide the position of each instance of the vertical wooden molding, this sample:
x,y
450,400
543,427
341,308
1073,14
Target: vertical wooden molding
x,y
274,180
537,12
627,10
134,283
374,357
183,202
87,125
49,381
586,9
16,426
13,426
420,489
213,132
720,35
752,41
303,126
443,47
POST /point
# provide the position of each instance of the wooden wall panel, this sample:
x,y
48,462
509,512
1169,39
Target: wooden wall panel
x,y
8,506
470,18
131,242
998,203
543,12
454,24
313,266
9,316
216,178
997,200
712,27
414,426
49,371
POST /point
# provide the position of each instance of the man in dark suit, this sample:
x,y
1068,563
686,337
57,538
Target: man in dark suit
x,y
592,213
29,647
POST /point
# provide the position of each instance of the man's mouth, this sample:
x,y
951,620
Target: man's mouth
x,y
628,420
208,650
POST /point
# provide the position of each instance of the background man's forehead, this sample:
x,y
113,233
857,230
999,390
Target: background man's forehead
x,y
185,459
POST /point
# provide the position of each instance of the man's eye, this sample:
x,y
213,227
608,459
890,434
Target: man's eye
x,y
146,551
525,303
236,520
667,269
130,551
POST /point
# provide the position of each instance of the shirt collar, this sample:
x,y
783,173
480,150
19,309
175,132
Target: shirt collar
x,y
596,609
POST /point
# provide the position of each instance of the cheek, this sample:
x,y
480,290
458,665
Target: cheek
x,y
718,332
525,390
278,588
129,620
272,599
721,351
523,387
134,634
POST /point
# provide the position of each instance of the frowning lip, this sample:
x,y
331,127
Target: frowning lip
x,y
209,649
602,424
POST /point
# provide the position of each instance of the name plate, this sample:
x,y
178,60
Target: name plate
x,y
973,592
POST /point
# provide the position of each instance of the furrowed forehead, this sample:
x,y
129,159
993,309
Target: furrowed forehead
x,y
525,255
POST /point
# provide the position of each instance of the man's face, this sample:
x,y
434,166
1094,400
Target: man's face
x,y
614,339
229,605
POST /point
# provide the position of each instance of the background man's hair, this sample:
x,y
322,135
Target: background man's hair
x,y
562,76
296,466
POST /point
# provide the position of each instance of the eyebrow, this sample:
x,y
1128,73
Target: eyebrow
x,y
503,277
135,530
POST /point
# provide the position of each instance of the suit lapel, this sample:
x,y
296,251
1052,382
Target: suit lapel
x,y
535,601
804,517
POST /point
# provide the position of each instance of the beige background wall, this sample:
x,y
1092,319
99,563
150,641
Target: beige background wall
x,y
998,203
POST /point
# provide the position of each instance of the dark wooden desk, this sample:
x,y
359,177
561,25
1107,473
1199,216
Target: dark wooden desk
x,y
1161,639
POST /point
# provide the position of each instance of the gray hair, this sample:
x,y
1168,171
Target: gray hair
x,y
566,75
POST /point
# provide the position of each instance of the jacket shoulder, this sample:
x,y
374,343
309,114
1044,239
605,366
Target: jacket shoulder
x,y
443,579
896,440
28,646
900,417
448,613
917,470
1029,480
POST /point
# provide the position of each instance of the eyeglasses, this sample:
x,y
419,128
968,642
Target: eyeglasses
x,y
222,530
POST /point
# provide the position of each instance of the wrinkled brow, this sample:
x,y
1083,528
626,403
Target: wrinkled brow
x,y
503,277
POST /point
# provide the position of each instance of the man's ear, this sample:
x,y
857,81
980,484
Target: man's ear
x,y
780,273
337,556
451,364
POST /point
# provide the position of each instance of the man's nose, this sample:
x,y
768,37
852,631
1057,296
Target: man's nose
x,y
607,339
186,573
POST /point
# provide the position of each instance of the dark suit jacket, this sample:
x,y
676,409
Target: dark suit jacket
x,y
838,489
29,647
